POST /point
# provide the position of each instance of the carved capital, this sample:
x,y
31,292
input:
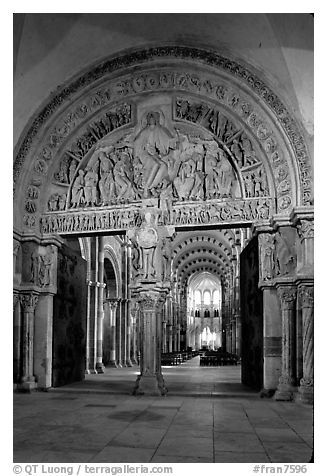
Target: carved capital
x,y
113,303
305,229
306,382
151,301
307,296
287,296
29,301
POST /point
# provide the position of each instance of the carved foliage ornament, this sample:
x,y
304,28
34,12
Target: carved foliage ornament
x,y
287,297
306,229
151,301
306,295
287,122
29,302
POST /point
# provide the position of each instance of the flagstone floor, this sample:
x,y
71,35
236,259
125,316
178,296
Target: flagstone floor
x,y
206,417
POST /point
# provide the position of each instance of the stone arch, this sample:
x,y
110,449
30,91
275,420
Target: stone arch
x,y
110,254
109,90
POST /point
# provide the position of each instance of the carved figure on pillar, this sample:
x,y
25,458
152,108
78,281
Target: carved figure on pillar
x,y
147,239
284,256
267,256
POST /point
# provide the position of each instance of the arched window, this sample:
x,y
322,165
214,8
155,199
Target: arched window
x,y
206,297
197,297
216,297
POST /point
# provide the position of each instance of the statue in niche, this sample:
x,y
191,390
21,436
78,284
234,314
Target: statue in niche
x,y
78,190
35,259
151,144
283,256
90,187
267,257
147,239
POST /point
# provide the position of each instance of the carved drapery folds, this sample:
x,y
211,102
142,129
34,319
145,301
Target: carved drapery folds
x,y
277,256
41,266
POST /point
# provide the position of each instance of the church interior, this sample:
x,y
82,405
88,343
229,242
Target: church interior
x,y
163,237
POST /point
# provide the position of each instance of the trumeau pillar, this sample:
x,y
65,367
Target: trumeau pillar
x,y
287,380
150,292
306,383
28,302
150,381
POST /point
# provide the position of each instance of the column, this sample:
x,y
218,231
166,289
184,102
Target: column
x,y
99,347
119,334
306,383
287,380
150,381
128,335
16,338
170,337
28,302
92,307
134,346
164,337
178,337
112,332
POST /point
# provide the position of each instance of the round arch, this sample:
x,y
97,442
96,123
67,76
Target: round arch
x,y
209,93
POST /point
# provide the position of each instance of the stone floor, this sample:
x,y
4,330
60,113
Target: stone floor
x,y
206,417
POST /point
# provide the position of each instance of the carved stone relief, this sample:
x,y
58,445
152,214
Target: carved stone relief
x,y
156,80
202,213
41,267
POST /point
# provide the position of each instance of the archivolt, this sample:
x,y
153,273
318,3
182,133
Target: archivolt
x,y
232,86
